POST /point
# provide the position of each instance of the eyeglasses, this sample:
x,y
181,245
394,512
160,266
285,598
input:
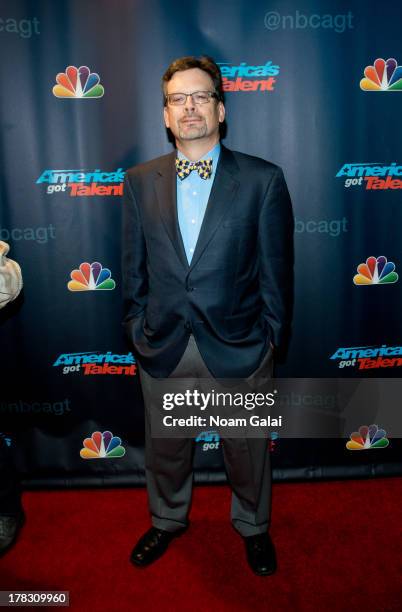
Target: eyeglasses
x,y
198,97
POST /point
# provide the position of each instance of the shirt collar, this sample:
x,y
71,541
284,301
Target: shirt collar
x,y
213,154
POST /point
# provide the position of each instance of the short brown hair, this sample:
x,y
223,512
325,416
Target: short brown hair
x,y
204,63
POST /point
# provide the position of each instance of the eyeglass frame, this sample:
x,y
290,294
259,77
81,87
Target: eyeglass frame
x,y
211,94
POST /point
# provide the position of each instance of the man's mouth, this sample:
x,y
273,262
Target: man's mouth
x,y
191,119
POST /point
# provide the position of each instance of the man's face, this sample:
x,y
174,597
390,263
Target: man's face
x,y
193,121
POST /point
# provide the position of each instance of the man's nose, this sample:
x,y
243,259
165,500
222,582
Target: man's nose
x,y
189,105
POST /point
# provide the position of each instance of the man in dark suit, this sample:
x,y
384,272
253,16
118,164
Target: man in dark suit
x,y
207,267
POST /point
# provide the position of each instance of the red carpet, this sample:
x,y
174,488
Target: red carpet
x,y
339,547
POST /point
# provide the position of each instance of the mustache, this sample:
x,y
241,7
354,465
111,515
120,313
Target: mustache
x,y
186,117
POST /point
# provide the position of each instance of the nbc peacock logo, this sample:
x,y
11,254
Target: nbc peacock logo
x,y
91,277
385,75
78,83
367,437
102,446
376,271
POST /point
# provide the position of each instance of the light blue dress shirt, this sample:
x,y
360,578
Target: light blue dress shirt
x,y
192,199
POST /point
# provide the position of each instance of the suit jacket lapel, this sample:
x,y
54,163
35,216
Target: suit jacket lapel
x,y
220,201
165,186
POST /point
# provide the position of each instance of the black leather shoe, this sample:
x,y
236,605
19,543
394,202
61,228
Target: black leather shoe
x,y
152,545
9,530
261,554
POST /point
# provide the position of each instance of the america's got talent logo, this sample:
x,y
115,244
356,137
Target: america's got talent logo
x,y
246,77
82,182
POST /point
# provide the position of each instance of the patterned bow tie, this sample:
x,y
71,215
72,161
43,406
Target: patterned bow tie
x,y
203,167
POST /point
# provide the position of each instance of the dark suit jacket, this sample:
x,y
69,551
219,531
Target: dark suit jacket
x,y
236,295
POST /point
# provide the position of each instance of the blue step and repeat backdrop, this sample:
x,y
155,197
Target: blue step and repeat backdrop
x,y
313,87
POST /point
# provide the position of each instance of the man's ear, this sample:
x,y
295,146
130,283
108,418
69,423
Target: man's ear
x,y
221,112
166,117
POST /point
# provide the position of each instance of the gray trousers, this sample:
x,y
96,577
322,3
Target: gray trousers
x,y
169,463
